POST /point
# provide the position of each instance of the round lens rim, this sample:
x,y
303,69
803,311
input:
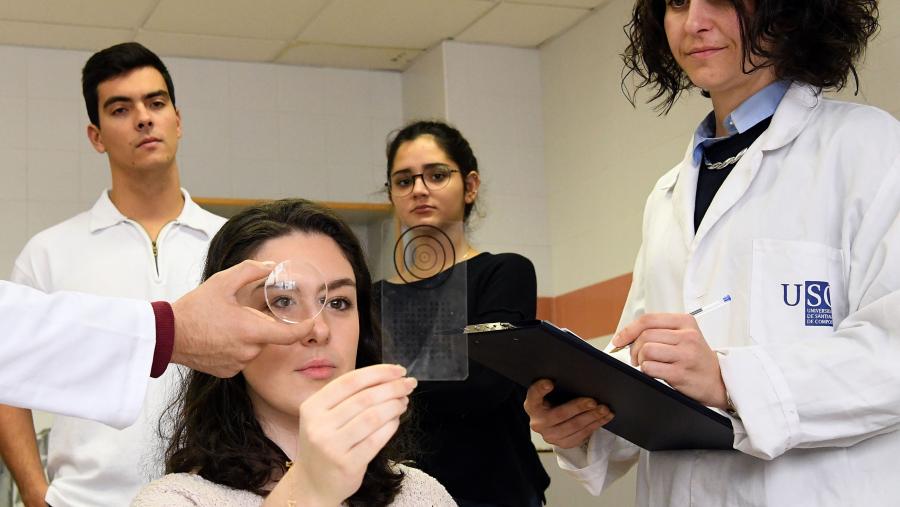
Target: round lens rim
x,y
270,280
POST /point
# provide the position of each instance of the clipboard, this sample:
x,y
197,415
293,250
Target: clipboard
x,y
648,413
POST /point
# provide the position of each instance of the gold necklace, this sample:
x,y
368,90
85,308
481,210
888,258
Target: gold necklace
x,y
292,498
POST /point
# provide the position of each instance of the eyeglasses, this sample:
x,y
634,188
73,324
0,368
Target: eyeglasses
x,y
434,177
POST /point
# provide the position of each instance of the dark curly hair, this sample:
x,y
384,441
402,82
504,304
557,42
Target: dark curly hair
x,y
450,140
816,42
215,431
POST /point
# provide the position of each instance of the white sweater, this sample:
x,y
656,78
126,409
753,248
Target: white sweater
x,y
176,490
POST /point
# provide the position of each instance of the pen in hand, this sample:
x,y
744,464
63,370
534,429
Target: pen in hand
x,y
719,303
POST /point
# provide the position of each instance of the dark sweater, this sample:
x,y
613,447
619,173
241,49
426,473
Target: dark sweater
x,y
473,435
710,180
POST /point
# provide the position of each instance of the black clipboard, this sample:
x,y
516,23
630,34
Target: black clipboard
x,y
648,413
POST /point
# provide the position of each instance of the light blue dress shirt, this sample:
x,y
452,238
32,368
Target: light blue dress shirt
x,y
757,108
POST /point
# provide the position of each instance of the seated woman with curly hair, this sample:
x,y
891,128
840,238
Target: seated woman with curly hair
x,y
323,403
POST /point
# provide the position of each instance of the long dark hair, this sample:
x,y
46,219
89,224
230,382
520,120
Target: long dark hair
x,y
448,138
812,41
215,431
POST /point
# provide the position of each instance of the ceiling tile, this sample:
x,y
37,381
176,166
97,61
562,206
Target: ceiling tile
x,y
61,36
207,46
263,19
103,13
521,24
393,23
351,57
584,4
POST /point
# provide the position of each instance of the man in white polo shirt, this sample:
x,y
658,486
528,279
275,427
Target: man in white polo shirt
x,y
144,239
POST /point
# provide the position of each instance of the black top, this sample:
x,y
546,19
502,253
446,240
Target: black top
x,y
475,438
710,180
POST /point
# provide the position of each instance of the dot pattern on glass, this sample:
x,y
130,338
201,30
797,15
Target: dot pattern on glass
x,y
295,291
424,308
421,328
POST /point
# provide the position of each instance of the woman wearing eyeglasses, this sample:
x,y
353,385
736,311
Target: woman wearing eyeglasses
x,y
475,437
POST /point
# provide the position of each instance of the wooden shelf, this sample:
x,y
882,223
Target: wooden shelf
x,y
352,212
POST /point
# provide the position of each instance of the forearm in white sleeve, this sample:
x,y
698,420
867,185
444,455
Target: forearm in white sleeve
x,y
841,389
604,459
75,354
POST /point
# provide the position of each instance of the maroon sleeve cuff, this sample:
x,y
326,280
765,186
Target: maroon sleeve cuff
x,y
165,337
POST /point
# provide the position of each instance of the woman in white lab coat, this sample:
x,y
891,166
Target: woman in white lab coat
x,y
788,202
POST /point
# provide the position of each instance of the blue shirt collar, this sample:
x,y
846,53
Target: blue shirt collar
x,y
755,109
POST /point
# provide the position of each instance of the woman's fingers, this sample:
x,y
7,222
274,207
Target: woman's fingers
x,y
366,449
369,420
566,425
334,424
659,352
365,428
349,449
353,382
652,337
577,428
348,409
539,409
581,436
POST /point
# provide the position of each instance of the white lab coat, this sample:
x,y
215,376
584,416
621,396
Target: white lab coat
x,y
815,200
75,354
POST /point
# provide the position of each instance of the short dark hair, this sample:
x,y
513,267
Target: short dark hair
x,y
115,61
450,140
215,431
816,42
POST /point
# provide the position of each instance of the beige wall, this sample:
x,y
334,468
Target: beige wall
x,y
493,95
424,92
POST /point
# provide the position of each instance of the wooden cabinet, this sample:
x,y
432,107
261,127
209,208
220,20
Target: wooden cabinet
x,y
355,213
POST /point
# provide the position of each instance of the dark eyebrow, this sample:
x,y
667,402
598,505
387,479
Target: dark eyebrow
x,y
432,165
333,285
122,98
158,93
116,98
342,282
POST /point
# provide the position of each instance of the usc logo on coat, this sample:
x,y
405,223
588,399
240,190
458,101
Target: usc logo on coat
x,y
816,296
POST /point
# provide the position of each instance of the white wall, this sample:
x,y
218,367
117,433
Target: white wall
x,y
424,92
250,130
493,95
